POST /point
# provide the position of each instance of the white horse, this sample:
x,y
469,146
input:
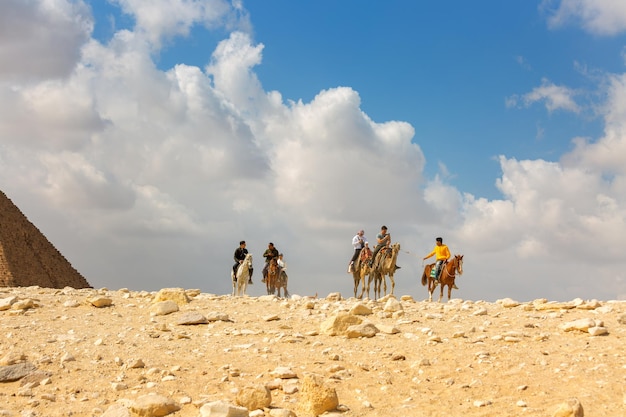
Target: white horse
x,y
240,282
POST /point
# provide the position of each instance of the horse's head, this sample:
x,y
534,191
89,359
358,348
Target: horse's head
x,y
458,259
248,260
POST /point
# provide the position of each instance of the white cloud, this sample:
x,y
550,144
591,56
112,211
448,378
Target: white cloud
x,y
601,17
41,39
554,96
145,178
162,20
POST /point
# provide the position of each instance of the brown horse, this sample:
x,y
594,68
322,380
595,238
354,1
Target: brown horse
x,y
359,270
272,277
446,276
384,264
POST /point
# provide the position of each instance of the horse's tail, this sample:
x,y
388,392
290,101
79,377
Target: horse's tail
x,y
424,278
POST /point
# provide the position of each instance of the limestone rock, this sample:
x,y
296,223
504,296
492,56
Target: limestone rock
x,y
582,325
361,330
283,372
154,406
117,410
6,303
316,397
191,318
16,372
337,324
163,308
392,305
254,397
360,309
222,409
178,295
100,301
570,408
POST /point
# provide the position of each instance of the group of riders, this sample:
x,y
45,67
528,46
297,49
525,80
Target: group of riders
x,y
270,254
361,248
383,240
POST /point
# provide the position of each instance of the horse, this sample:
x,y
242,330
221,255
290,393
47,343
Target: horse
x,y
281,282
272,277
446,276
360,269
240,281
384,264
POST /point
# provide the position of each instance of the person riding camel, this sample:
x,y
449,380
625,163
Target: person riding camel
x,y
383,240
359,241
442,254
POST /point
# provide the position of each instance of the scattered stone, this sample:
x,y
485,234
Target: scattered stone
x,y
117,410
384,328
222,409
336,325
254,397
582,325
163,308
178,295
334,296
361,330
100,301
216,316
598,331
281,412
135,364
271,317
508,303
191,318
316,397
16,372
23,304
154,406
360,309
571,408
283,372
12,358
6,303
392,305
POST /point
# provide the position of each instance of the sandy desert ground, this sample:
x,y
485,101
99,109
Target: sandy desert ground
x,y
101,352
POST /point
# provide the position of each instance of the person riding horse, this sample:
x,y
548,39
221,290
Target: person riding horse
x,y
270,253
239,256
442,254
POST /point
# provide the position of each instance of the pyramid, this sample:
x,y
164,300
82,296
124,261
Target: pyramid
x,y
27,258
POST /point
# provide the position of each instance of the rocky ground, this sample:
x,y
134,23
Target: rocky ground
x,y
184,353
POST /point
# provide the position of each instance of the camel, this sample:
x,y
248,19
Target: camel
x,y
360,269
385,264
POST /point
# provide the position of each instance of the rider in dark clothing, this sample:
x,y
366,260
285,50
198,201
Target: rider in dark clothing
x,y
270,253
239,256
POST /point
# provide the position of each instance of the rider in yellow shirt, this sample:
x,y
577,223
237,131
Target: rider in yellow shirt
x,y
442,254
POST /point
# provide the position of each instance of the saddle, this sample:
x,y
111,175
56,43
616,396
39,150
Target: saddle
x,y
366,255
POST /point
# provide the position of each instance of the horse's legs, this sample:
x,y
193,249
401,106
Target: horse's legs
x,y
431,288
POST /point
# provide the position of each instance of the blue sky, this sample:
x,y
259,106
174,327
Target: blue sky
x,y
446,67
134,134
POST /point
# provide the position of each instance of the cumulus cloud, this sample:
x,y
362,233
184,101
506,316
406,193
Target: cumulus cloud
x,y
555,97
147,178
601,17
41,39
